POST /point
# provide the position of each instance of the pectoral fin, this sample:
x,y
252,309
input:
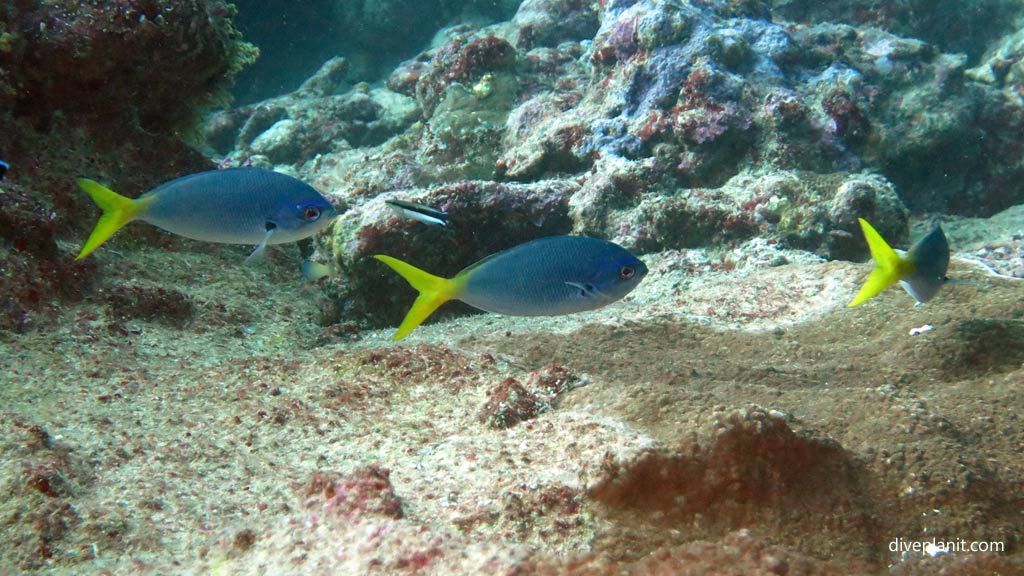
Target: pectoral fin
x,y
586,290
262,246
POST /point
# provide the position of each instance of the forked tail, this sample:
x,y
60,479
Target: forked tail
x,y
433,290
889,267
117,211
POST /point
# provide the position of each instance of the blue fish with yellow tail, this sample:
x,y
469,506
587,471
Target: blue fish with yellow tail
x,y
546,277
921,271
234,206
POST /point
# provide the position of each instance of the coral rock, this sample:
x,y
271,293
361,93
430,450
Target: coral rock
x,y
366,491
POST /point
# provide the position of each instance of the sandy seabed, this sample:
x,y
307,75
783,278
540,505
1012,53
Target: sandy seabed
x,y
736,420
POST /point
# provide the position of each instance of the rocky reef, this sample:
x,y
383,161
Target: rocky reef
x,y
660,124
147,64
165,409
374,35
112,91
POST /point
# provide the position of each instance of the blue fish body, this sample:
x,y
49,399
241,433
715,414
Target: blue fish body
x,y
546,277
930,257
235,206
551,276
4,166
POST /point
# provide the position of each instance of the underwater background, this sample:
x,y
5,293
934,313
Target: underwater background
x,y
168,408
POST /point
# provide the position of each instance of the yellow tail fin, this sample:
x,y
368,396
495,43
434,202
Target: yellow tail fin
x,y
117,211
889,267
433,290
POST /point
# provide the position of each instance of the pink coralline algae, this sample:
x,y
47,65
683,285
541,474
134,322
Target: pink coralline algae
x,y
143,62
621,42
37,277
97,89
366,491
461,61
511,402
755,471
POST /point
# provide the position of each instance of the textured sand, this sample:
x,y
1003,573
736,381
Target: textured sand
x,y
723,417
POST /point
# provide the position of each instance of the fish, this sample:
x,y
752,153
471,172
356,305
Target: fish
x,y
921,270
314,271
4,167
549,276
233,206
414,211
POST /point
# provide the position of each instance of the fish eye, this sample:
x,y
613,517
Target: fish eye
x,y
626,272
311,213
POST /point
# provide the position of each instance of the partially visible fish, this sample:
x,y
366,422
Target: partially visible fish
x,y
235,206
4,166
311,269
414,211
314,271
546,277
921,271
